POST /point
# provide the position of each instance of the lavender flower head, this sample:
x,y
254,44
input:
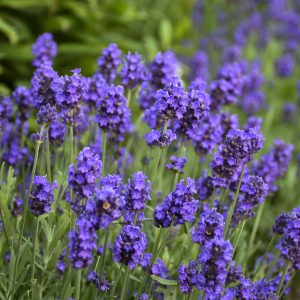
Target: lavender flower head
x,y
273,165
46,115
84,175
113,113
199,65
176,164
43,86
82,242
6,110
252,192
109,62
44,50
101,283
232,54
57,133
96,89
160,139
214,258
137,194
238,149
288,225
70,89
227,87
41,196
133,72
159,269
210,226
108,202
129,246
179,206
285,65
186,277
24,100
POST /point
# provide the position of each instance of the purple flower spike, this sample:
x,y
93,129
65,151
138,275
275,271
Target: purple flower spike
x,y
46,115
176,164
187,277
109,62
41,196
130,246
179,206
44,50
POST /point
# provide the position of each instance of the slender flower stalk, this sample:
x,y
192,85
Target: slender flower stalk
x,y
231,209
264,257
36,232
36,155
125,286
48,156
78,284
104,144
283,275
112,292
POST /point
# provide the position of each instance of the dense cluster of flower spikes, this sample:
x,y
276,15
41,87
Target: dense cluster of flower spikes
x,y
209,208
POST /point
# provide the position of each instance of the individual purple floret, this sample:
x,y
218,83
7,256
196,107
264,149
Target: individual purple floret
x,y
199,65
82,243
70,89
285,65
144,297
176,164
109,62
137,194
252,192
44,50
288,226
159,269
160,139
84,174
207,135
96,89
113,113
57,132
101,283
179,206
18,205
187,277
214,258
129,246
227,87
41,196
133,72
42,87
235,274
198,84
210,226
273,165
61,262
108,202
24,100
46,115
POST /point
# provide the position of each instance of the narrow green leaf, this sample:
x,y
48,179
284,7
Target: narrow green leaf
x,y
164,281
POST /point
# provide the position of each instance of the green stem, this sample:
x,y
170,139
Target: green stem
x,y
36,155
129,93
4,223
232,207
125,286
255,227
104,142
77,285
155,255
102,264
66,282
264,256
156,163
116,281
33,254
71,144
213,196
48,158
288,265
235,243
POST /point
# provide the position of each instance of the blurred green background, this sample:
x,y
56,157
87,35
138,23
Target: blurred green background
x,y
83,28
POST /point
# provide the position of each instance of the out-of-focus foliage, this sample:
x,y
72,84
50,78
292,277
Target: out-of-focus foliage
x,y
83,27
